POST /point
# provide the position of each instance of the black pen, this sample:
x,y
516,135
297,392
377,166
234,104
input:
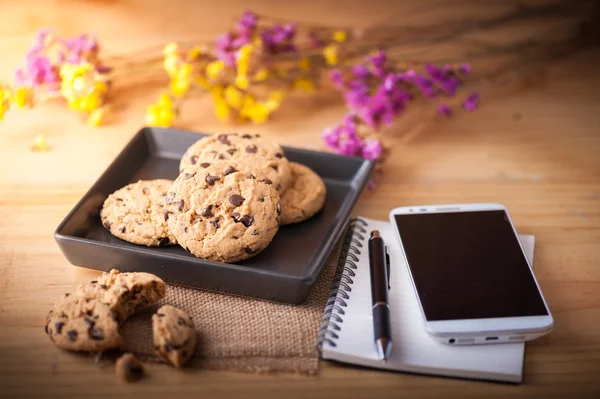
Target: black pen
x,y
379,295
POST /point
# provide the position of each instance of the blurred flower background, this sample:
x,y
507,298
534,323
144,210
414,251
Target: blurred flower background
x,y
250,70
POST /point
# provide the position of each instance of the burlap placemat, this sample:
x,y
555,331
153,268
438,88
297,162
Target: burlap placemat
x,y
243,334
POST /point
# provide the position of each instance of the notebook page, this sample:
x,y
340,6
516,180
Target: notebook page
x,y
413,349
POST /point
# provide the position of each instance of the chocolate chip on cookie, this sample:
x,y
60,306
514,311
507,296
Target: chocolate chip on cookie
x,y
236,200
207,211
211,180
229,171
223,139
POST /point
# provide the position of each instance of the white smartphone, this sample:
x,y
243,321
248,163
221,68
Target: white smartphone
x,y
473,280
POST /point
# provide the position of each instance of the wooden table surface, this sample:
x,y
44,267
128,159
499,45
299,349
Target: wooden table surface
x,y
534,148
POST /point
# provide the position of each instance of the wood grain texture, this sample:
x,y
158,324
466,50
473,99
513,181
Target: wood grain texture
x,y
534,147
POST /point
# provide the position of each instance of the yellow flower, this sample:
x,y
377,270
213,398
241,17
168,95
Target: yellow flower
x,y
221,108
89,102
233,97
161,113
180,83
95,117
170,49
241,81
39,144
170,64
4,101
196,52
340,36
23,97
331,54
214,69
165,101
261,75
202,82
243,58
247,103
185,71
303,84
259,113
304,63
100,86
179,87
69,72
277,95
157,116
274,100
81,87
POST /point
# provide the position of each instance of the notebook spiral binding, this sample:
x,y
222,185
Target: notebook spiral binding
x,y
342,282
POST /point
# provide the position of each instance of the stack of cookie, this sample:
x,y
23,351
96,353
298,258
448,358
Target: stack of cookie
x,y
232,194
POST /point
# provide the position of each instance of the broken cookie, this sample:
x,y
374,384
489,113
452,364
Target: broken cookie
x,y
174,335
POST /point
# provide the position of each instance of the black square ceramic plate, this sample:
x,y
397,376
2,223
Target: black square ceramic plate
x,y
283,272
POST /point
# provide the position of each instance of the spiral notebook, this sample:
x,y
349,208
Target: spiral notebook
x,y
346,334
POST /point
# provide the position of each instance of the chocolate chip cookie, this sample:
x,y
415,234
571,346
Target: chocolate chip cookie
x,y
221,213
124,293
136,213
268,156
304,197
81,324
174,335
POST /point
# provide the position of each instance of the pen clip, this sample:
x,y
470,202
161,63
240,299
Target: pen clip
x,y
387,263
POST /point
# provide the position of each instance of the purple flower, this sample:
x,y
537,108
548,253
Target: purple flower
x,y
331,137
224,49
465,68
240,41
435,73
360,71
356,97
223,41
444,110
278,39
78,47
471,102
289,31
378,62
424,84
337,79
350,146
40,38
349,126
372,149
390,81
38,70
247,22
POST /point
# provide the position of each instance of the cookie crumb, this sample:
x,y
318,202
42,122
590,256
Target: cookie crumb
x,y
129,368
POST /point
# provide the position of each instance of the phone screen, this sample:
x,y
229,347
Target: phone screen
x,y
468,265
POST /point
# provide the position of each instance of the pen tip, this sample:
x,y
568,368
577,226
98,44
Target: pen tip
x,y
384,346
375,233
